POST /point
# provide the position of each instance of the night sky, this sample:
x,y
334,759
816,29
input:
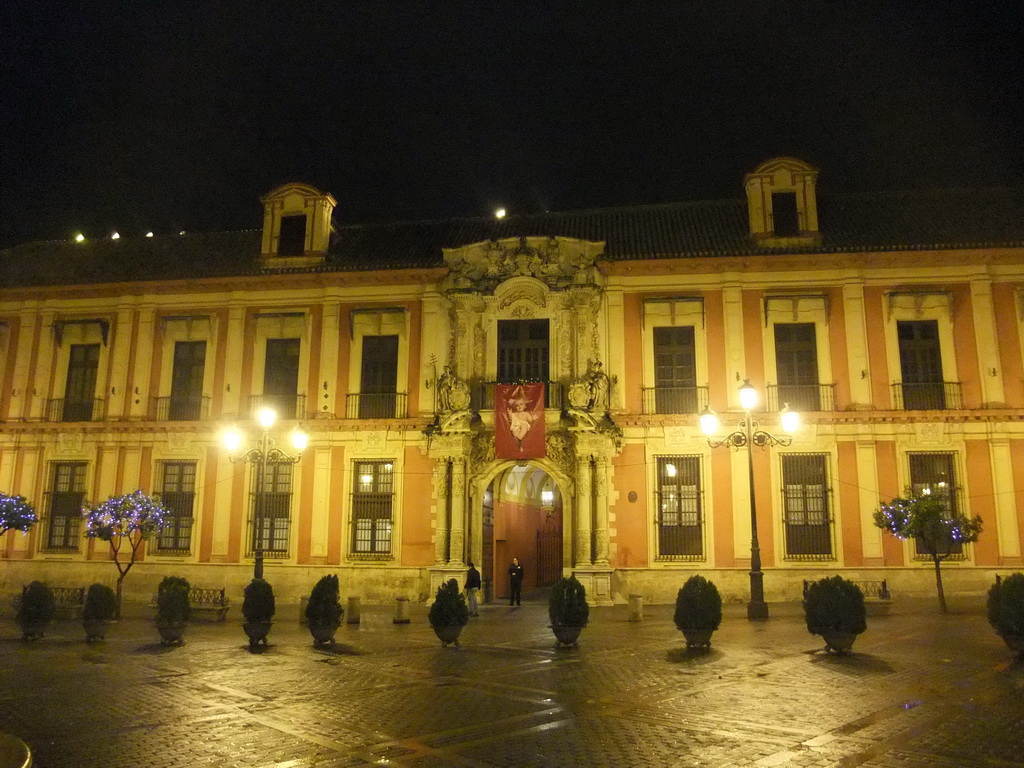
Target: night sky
x,y
165,116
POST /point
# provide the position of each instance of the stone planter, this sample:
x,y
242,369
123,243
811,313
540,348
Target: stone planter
x,y
836,640
323,633
96,629
1015,643
698,638
32,630
171,632
257,632
566,635
448,633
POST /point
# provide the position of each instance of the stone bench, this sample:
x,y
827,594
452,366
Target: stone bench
x,y
877,598
207,604
69,602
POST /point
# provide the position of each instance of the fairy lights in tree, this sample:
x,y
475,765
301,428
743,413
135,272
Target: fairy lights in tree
x,y
16,514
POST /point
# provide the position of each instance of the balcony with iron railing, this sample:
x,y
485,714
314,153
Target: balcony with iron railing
x,y
803,398
177,408
931,396
674,399
62,409
287,406
383,405
482,394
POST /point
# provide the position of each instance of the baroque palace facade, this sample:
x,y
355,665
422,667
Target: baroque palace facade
x,y
892,322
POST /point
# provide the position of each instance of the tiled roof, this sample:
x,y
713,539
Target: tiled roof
x,y
861,222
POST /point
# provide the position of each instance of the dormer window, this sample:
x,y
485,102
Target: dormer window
x,y
296,227
785,218
782,203
292,240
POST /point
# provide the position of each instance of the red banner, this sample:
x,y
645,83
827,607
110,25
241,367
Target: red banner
x,y
519,421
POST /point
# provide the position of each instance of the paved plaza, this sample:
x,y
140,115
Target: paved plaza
x,y
922,689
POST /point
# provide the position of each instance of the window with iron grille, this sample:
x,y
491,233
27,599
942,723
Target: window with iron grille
x,y
805,503
934,473
680,516
64,508
177,495
271,509
372,496
522,350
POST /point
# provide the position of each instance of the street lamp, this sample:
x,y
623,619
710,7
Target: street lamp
x,y
265,453
749,434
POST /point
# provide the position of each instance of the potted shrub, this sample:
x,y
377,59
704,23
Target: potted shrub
x,y
258,610
36,610
172,609
98,612
568,610
1006,611
834,609
698,611
449,613
323,611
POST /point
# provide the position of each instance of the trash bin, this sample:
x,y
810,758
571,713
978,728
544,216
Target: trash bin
x,y
352,616
636,607
401,610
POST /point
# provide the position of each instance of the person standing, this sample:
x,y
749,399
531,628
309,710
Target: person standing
x,y
515,576
472,587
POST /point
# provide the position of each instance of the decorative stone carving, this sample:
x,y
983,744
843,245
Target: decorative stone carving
x,y
560,450
452,392
70,442
482,451
556,261
601,540
441,545
457,544
511,291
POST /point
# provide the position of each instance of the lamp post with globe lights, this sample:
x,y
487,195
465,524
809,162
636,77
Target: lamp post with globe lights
x,y
264,454
748,433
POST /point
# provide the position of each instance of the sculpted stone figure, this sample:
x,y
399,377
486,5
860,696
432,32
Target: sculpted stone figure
x,y
452,392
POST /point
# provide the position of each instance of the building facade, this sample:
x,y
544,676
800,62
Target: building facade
x,y
891,323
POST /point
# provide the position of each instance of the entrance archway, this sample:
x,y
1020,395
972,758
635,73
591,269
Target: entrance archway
x,y
522,517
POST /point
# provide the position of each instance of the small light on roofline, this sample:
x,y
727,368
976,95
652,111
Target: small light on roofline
x,y
149,234
79,238
500,213
182,232
115,236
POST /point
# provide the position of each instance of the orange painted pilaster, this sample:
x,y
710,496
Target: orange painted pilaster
x,y
417,547
839,352
344,356
14,339
722,513
415,348
982,501
248,355
966,347
316,334
718,379
27,394
1008,340
874,317
631,520
633,348
133,350
336,512
303,549
239,513
888,488
209,504
122,457
1017,462
849,505
220,362
765,505
753,344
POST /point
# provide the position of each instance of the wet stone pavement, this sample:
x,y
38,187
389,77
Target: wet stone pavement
x,y
921,689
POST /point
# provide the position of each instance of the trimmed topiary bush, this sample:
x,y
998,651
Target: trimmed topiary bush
x,y
324,606
698,605
1005,609
172,601
100,603
258,604
834,608
36,610
567,606
449,608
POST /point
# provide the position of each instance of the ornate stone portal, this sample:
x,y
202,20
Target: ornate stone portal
x,y
538,278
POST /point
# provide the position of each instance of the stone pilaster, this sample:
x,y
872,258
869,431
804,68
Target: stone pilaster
x,y
456,554
584,510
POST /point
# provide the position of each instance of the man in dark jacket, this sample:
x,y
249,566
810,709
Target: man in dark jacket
x,y
515,576
472,587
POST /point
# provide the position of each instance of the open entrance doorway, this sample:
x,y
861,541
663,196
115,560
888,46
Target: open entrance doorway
x,y
522,517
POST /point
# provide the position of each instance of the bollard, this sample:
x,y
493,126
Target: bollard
x,y
401,610
303,602
636,607
353,611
